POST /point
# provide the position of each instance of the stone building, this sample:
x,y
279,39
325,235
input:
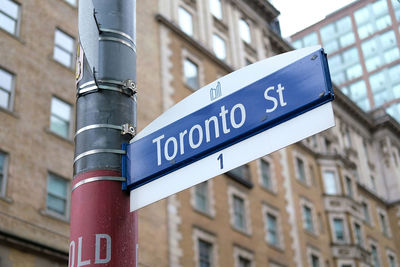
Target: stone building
x,y
330,200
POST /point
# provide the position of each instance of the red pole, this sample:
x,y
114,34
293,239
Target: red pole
x,y
103,231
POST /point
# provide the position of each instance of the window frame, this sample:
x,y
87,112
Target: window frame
x,y
200,234
210,209
336,180
234,192
181,24
4,173
305,203
72,53
51,212
272,187
187,55
239,252
384,225
270,210
17,21
222,38
10,106
70,122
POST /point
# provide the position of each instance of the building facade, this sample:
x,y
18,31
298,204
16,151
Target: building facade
x,y
362,41
329,200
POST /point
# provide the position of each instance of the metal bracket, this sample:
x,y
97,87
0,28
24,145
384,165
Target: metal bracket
x,y
129,85
128,129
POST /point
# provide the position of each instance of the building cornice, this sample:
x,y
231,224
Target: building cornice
x,y
263,7
33,246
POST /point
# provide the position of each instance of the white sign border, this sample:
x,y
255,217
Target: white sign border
x,y
282,135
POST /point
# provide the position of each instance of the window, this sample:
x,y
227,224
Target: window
x,y
388,39
314,260
310,39
373,183
380,7
362,15
266,175
347,39
185,21
239,213
391,55
205,248
201,197
354,71
369,47
338,227
60,118
383,22
244,262
63,48
301,170
358,234
365,209
272,230
241,172
244,31
216,8
243,257
327,32
373,63
374,256
349,187
9,16
57,188
365,31
308,218
205,253
331,46
350,56
377,81
384,223
3,173
6,89
219,47
72,2
392,260
191,72
330,183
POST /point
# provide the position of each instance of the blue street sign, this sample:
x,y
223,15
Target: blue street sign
x,y
267,102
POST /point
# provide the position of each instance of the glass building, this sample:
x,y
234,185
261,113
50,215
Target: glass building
x,y
362,42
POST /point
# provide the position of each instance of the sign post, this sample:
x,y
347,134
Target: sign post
x,y
236,119
102,228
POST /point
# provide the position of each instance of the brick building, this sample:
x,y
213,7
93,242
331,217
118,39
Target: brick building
x,y
330,200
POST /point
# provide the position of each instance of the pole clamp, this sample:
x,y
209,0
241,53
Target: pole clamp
x,y
128,128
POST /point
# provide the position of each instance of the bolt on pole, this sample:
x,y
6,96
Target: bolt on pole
x,y
103,231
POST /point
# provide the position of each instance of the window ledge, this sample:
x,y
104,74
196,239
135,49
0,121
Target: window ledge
x,y
241,231
70,141
15,37
10,112
272,191
304,183
70,69
240,180
278,248
204,213
311,233
53,215
6,199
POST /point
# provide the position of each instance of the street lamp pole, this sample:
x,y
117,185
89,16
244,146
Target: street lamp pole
x,y
103,231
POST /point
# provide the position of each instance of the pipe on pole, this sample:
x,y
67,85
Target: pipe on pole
x,y
103,231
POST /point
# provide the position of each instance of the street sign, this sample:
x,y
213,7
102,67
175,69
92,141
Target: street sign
x,y
88,32
236,119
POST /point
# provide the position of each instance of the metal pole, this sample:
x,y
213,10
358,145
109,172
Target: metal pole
x,y
103,231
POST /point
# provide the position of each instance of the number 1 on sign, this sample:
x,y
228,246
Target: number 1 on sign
x,y
221,161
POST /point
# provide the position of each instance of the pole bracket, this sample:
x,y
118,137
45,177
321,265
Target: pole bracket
x,y
128,128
